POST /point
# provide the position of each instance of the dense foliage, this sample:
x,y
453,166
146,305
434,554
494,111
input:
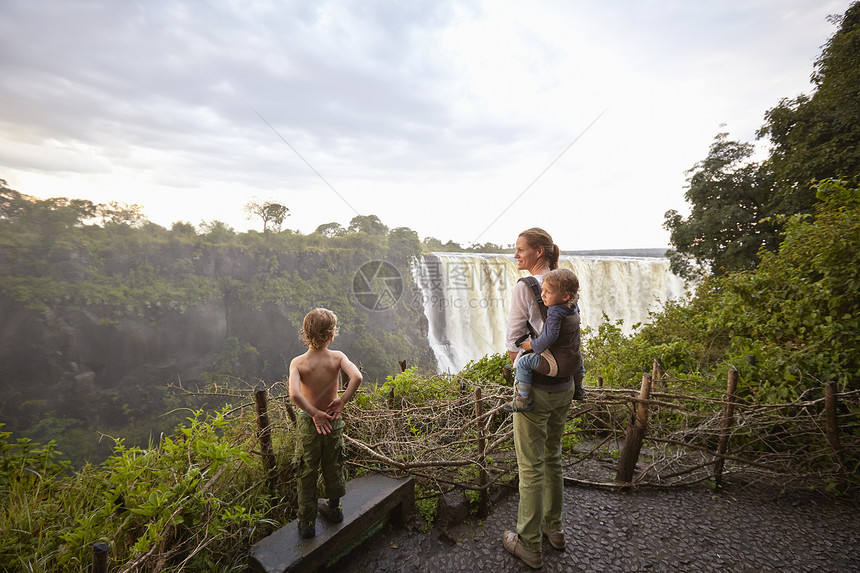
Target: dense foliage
x,y
789,325
197,499
192,502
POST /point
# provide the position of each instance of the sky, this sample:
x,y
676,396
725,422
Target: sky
x,y
462,120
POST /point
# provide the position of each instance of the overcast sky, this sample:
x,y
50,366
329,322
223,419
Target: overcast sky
x,y
462,120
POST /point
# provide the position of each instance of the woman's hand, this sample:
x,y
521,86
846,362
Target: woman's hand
x,y
526,345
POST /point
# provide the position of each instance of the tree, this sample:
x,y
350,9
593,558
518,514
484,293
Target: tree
x,y
433,244
12,203
818,137
269,212
217,231
116,213
369,224
728,194
403,243
183,228
330,230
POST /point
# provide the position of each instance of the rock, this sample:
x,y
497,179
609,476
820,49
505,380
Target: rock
x,y
451,509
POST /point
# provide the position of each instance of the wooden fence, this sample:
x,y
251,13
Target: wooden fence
x,y
463,439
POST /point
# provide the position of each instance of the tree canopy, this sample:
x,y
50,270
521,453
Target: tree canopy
x,y
724,231
369,224
817,137
736,203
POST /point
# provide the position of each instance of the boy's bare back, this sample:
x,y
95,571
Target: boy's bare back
x,y
319,371
314,375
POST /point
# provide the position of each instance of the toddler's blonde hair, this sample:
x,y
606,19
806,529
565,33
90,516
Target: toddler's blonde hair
x,y
565,281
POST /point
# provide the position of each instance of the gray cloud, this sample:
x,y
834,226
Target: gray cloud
x,y
466,101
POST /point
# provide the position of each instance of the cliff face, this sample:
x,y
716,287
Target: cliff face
x,y
104,367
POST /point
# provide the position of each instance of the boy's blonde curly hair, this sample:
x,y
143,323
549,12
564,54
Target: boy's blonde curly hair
x,y
318,327
565,281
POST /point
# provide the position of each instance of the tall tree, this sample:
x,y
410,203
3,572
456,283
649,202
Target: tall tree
x,y
269,212
818,137
724,231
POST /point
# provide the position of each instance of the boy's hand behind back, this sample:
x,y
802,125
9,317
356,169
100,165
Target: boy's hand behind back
x,y
322,421
335,407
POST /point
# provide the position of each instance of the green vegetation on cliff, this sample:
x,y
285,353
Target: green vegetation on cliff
x,y
788,326
103,310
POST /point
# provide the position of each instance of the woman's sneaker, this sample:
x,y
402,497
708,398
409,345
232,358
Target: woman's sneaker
x,y
511,541
556,539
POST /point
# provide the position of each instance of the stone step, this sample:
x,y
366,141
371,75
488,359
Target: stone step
x,y
369,503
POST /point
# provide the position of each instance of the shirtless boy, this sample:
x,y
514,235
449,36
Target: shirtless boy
x,y
319,429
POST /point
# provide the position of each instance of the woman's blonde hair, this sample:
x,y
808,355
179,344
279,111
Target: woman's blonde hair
x,y
319,327
537,237
565,281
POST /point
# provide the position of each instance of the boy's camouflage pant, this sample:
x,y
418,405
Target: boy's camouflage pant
x,y
317,453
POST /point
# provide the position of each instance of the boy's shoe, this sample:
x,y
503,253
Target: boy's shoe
x,y
511,541
578,392
332,515
556,539
520,404
307,529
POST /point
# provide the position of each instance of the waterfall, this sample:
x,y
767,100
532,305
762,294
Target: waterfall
x,y
466,297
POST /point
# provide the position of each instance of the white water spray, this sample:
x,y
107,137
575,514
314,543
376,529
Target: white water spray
x,y
466,297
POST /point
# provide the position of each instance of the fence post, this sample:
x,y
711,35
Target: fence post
x,y
658,374
264,434
726,424
483,509
290,414
100,557
635,434
600,381
830,413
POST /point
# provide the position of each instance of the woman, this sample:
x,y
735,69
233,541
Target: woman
x,y
537,434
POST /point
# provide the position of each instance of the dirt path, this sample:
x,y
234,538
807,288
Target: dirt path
x,y
693,529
